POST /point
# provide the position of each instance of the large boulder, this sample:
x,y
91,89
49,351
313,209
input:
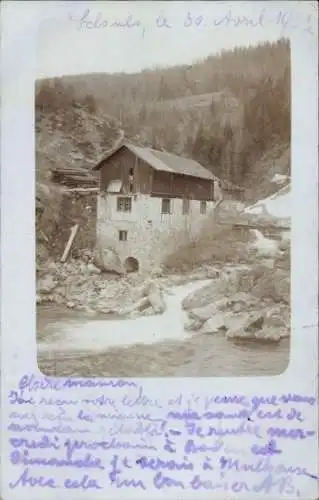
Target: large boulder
x,y
107,259
204,313
274,286
215,324
202,297
258,325
193,324
155,297
93,269
278,319
145,300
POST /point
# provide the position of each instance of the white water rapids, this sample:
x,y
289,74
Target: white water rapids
x,y
100,335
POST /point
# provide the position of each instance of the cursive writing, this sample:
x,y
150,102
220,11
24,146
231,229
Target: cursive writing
x,y
129,438
196,20
32,383
26,479
23,458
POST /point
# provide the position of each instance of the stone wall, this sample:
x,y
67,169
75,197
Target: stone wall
x,y
151,235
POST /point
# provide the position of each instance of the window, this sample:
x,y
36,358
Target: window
x,y
166,206
185,206
124,204
203,207
123,235
130,178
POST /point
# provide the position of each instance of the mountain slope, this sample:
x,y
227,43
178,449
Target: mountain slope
x,y
230,112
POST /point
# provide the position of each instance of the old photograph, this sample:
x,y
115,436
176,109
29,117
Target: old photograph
x,y
162,211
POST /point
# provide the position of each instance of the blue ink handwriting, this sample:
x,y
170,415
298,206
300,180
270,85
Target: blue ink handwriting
x,y
44,442
86,483
16,398
116,481
269,449
88,462
243,428
75,445
157,463
25,479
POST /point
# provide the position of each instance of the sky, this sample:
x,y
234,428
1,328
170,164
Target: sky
x,y
85,37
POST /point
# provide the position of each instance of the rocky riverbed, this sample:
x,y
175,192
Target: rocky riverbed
x,y
240,301
75,343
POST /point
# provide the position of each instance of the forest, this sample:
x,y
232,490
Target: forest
x,y
226,111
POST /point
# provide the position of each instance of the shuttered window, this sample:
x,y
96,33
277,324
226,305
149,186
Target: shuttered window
x,y
166,206
185,206
124,204
203,207
123,235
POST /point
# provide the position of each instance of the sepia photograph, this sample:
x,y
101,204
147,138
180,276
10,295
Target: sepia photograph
x,y
163,203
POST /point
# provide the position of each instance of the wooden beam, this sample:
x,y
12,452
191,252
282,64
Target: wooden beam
x,y
81,190
67,249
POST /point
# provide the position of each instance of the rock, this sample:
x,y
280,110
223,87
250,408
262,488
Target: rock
x,y
202,297
93,269
88,310
202,313
53,266
139,306
214,324
148,312
258,326
245,325
278,318
46,284
155,297
275,285
241,302
193,324
157,272
255,324
107,260
212,273
57,298
86,255
274,334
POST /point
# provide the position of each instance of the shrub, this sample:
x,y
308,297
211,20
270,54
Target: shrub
x,y
215,244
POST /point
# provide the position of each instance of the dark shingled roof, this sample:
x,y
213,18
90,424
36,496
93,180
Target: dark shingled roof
x,y
167,162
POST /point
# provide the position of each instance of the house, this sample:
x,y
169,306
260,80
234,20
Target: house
x,y
150,202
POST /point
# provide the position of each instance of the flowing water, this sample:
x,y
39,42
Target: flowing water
x,y
72,344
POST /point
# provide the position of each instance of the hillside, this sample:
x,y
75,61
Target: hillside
x,y
69,131
226,111
230,112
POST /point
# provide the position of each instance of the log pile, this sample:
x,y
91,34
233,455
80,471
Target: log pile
x,y
74,177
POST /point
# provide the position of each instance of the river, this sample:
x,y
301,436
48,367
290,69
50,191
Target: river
x,y
72,344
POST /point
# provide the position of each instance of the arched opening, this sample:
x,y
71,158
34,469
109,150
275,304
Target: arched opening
x,y
131,265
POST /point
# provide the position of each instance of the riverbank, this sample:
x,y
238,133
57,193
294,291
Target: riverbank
x,y
155,345
81,286
250,301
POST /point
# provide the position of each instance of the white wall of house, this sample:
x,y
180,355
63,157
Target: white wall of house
x,y
151,235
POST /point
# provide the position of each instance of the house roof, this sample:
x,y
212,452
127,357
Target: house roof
x,y
166,162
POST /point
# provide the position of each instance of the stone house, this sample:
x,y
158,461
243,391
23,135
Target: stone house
x,y
151,202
